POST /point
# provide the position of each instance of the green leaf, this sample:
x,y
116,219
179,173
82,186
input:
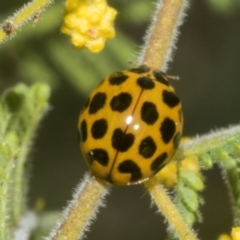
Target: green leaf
x,y
142,12
193,180
205,160
21,109
231,175
189,217
190,199
222,6
8,151
13,100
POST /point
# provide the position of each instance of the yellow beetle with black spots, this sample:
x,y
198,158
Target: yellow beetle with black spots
x,y
131,126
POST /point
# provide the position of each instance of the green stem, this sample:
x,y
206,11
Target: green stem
x,y
81,210
231,175
214,146
28,12
163,34
19,184
169,210
7,159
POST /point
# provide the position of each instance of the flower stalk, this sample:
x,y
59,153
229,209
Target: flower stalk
x,y
168,209
162,35
82,209
27,13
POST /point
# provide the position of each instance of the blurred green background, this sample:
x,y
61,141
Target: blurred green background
x,y
206,60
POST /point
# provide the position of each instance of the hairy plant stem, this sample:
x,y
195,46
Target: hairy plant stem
x,y
169,210
163,33
81,210
19,189
221,146
30,11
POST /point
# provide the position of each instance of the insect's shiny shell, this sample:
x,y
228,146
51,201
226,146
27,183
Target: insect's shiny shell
x,y
131,126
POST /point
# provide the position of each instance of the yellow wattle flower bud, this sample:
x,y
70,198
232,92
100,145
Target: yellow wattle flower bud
x,y
168,175
224,237
89,23
236,233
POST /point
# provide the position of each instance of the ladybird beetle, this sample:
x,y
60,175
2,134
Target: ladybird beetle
x,y
130,126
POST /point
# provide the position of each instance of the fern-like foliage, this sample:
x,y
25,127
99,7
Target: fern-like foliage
x,y
219,147
21,109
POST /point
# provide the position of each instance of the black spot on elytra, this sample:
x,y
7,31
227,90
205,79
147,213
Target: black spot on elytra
x,y
129,166
83,131
176,140
149,113
140,69
97,102
145,83
100,155
122,141
99,128
170,98
158,163
121,102
117,78
160,77
167,129
147,147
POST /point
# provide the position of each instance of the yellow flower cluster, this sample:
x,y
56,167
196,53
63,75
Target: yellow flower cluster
x,y
89,23
224,237
168,175
235,235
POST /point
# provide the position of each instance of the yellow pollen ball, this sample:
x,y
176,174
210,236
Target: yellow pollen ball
x,y
78,41
89,23
236,233
224,237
